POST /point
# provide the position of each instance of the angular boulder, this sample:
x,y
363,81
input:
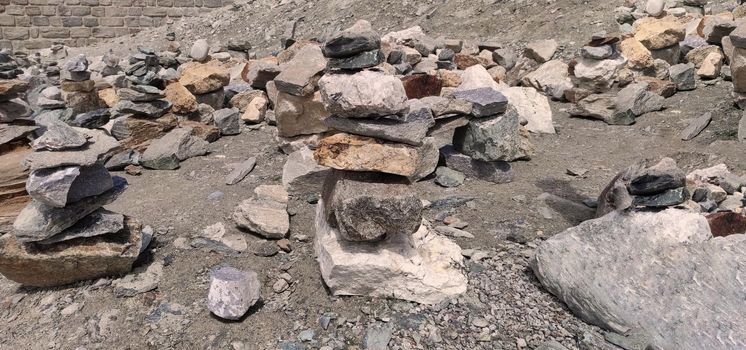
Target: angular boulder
x,y
364,94
501,138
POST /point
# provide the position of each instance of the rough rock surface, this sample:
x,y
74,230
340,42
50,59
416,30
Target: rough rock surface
x,y
590,269
358,153
264,217
501,138
423,267
68,262
233,292
364,94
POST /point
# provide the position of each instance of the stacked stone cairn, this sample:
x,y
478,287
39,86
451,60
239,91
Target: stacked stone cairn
x,y
64,235
78,89
369,218
16,129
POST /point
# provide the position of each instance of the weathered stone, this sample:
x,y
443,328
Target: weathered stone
x,y
497,172
204,78
77,86
266,218
448,177
464,61
683,76
93,119
182,101
153,109
597,52
584,267
726,223
200,50
738,70
228,120
541,50
242,100
98,223
256,110
738,36
357,153
82,102
166,152
505,58
658,33
422,85
137,96
714,28
302,175
442,106
664,88
59,137
10,132
233,292
697,55
667,198
354,40
637,55
551,78
696,126
601,107
301,74
297,115
364,94
98,148
363,60
595,75
532,107
95,257
500,138
259,73
422,267
14,109
369,206
711,66
635,100
78,63
411,131
39,221
485,102
477,77
240,171
9,89
56,187
215,99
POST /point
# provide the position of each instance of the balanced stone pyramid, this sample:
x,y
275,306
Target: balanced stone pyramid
x,y
371,238
64,235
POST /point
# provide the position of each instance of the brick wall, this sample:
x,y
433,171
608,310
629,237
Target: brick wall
x,y
36,24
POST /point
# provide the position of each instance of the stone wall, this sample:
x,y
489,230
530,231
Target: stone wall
x,y
36,24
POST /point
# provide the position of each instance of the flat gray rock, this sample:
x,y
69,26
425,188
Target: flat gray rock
x,y
98,223
358,38
38,221
499,138
228,120
9,133
233,292
364,94
139,96
497,172
167,152
57,187
410,131
153,109
667,263
59,137
696,126
240,171
99,146
485,101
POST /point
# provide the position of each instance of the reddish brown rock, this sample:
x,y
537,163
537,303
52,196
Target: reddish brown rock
x,y
665,88
59,264
12,87
464,61
726,224
209,133
143,131
77,86
422,85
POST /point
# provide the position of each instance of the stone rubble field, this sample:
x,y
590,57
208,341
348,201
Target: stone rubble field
x,y
376,187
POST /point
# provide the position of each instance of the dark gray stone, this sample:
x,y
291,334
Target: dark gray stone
x,y
667,198
696,126
665,175
485,102
500,138
139,96
683,75
368,206
59,137
92,120
497,172
121,160
167,152
99,147
228,120
362,60
411,131
98,223
448,177
240,171
38,221
58,187
354,40
153,109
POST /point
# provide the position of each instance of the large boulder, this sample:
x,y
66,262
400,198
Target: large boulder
x,y
423,267
686,281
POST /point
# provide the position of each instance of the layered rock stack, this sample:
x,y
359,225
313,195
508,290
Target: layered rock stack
x,y
369,218
15,130
78,90
64,235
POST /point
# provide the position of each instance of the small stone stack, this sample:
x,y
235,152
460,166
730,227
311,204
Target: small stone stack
x,y
64,235
369,220
78,90
140,99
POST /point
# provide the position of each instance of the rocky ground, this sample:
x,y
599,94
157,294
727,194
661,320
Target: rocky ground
x,y
505,306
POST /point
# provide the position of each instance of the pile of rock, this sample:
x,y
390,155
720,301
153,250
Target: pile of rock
x,y
664,185
15,132
64,235
78,90
687,227
369,218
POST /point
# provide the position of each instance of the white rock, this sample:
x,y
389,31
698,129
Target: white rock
x,y
655,7
363,94
598,75
233,292
423,268
532,107
476,77
551,78
200,50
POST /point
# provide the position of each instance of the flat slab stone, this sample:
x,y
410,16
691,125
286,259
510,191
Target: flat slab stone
x,y
689,283
485,101
39,221
67,262
411,131
98,223
97,149
264,217
56,187
423,267
59,137
358,153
